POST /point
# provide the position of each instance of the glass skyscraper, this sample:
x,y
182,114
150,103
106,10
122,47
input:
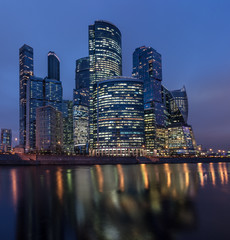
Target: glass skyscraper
x,y
52,85
67,114
82,73
26,69
119,126
81,106
53,66
35,99
147,66
105,56
104,51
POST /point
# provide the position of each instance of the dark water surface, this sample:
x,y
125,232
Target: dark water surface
x,y
168,201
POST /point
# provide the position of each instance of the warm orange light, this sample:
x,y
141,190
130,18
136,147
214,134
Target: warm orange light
x,y
121,178
100,178
221,173
225,173
166,166
145,175
212,174
201,174
14,186
59,184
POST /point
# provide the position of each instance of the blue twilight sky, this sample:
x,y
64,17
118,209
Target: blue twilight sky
x,y
193,37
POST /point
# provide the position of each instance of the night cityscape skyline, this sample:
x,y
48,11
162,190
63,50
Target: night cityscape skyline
x,y
197,118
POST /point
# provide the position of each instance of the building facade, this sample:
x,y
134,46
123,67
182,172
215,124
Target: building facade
x,y
119,126
147,65
81,128
179,135
67,114
26,69
81,106
181,101
53,93
35,99
82,73
49,130
105,55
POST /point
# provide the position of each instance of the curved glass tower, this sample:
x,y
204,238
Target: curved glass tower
x,y
104,51
53,66
82,73
119,127
105,56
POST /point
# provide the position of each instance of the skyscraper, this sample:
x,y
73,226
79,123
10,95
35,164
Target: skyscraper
x,y
52,85
67,115
81,106
35,99
180,137
82,73
147,66
120,117
53,66
104,51
26,69
105,56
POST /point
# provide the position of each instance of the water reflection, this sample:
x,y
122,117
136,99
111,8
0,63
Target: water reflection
x,y
14,186
109,202
212,173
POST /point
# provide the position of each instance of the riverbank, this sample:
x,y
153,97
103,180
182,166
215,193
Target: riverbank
x,y
27,159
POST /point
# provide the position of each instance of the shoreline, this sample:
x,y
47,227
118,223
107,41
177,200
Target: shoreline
x,y
38,160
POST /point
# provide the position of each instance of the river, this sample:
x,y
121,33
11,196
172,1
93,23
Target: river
x,y
115,202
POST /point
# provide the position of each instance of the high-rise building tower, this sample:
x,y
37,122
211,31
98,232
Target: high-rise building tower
x,y
147,66
53,66
120,117
52,85
81,106
82,73
105,56
26,69
104,51
67,114
35,99
180,137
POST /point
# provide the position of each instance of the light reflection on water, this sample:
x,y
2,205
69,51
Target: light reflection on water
x,y
107,202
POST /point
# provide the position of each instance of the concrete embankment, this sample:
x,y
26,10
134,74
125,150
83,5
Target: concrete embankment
x,y
24,159
27,159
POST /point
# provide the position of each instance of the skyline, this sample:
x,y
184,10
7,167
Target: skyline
x,y
209,126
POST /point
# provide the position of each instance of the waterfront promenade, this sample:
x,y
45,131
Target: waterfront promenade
x,y
27,159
